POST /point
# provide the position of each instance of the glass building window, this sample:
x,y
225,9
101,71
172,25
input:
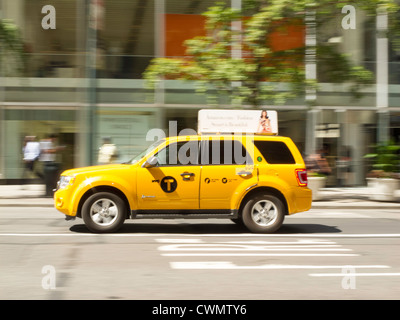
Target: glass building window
x,y
49,52
127,38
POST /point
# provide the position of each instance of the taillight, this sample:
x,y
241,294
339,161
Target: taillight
x,y
301,175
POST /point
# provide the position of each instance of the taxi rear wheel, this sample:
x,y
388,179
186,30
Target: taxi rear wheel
x,y
263,213
103,212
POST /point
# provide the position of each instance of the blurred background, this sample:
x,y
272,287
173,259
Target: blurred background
x,y
83,81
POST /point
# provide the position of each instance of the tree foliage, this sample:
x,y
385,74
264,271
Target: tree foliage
x,y
260,73
11,48
386,158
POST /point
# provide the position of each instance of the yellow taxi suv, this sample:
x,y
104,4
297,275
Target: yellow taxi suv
x,y
254,180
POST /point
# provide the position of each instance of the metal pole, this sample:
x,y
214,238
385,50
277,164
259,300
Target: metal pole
x,y
80,117
159,45
311,78
236,51
382,75
2,113
90,106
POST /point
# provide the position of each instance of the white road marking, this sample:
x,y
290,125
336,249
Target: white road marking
x,y
223,265
260,255
299,248
368,274
252,242
226,247
298,242
179,240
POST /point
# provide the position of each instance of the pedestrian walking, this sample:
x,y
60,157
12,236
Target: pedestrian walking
x,y
51,168
108,152
31,154
317,163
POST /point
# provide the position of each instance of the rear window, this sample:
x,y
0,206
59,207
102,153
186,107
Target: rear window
x,y
275,152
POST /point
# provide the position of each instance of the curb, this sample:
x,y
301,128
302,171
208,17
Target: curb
x,y
27,202
23,205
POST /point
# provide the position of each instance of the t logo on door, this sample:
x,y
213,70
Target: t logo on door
x,y
168,184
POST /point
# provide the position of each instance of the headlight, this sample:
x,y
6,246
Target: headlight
x,y
65,181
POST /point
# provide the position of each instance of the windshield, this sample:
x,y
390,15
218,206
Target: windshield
x,y
146,151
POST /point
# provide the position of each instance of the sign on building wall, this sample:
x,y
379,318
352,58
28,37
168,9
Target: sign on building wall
x,y
127,130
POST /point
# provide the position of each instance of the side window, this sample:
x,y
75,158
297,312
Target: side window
x,y
224,152
275,152
179,153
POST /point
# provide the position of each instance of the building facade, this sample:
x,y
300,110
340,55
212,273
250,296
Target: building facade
x,y
82,80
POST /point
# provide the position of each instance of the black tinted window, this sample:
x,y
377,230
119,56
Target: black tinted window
x,y
224,152
275,152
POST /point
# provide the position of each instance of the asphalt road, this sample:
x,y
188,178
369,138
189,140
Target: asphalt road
x,y
320,254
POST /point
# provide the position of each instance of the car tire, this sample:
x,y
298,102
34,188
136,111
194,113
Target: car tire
x,y
103,212
263,213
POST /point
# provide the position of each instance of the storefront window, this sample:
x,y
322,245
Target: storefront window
x,y
344,137
38,124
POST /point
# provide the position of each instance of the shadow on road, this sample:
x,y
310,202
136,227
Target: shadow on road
x,y
209,228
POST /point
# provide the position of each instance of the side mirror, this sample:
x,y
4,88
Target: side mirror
x,y
150,162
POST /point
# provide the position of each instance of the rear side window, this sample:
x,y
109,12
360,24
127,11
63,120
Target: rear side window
x,y
275,152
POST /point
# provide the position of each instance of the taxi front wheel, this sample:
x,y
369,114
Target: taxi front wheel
x,y
263,213
103,212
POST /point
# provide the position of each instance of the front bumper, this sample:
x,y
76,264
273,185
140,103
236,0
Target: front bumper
x,y
62,202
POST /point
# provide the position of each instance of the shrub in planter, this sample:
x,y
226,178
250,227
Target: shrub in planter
x,y
317,170
316,181
384,178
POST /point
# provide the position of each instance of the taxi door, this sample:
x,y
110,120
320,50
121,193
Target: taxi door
x,y
173,183
226,164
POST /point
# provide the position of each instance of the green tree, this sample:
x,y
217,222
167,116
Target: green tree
x,y
12,57
260,73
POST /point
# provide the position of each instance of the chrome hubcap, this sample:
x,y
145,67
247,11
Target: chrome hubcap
x,y
104,212
264,213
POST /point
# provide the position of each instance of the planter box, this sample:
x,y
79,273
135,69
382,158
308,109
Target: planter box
x,y
383,189
315,184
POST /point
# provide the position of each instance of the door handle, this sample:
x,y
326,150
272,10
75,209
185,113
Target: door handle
x,y
243,173
187,175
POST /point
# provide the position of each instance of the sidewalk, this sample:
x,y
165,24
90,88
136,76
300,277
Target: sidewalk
x,y
331,198
24,196
352,198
